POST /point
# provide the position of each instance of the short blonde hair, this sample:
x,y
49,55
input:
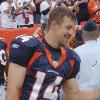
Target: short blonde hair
x,y
58,15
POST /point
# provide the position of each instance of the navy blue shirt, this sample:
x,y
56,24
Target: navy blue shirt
x,y
83,6
3,59
47,68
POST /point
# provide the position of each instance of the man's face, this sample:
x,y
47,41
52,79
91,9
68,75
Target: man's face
x,y
66,30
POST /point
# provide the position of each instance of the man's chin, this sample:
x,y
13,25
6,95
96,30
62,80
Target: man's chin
x,y
65,43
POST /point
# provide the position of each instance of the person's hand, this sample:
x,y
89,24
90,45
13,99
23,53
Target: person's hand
x,y
76,3
28,3
9,7
77,9
96,8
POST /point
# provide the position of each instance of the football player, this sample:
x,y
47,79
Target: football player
x,y
40,67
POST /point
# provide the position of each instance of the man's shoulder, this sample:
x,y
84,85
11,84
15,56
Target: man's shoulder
x,y
73,55
22,49
26,40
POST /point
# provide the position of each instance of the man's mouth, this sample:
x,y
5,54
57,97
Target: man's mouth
x,y
67,36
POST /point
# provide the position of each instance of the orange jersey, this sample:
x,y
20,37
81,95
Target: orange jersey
x,y
94,9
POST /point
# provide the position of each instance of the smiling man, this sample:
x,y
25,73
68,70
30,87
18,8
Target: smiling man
x,y
48,63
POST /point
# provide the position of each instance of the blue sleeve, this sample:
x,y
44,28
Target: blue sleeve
x,y
21,53
76,66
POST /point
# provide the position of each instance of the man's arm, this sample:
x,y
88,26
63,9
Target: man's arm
x,y
19,8
16,75
71,91
8,9
32,6
91,95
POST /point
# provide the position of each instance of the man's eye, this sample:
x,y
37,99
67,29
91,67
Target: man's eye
x,y
68,28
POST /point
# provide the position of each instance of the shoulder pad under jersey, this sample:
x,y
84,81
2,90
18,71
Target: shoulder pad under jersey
x,y
26,40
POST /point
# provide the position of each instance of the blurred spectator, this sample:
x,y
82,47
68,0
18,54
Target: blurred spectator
x,y
45,7
0,14
98,40
24,10
6,14
41,31
77,40
88,76
82,12
94,9
3,64
37,13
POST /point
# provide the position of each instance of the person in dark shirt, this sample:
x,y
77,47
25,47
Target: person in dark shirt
x,y
37,13
82,12
3,64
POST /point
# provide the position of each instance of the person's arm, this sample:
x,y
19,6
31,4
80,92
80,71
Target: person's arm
x,y
91,95
16,75
75,6
36,33
32,6
82,1
71,91
70,86
19,8
8,10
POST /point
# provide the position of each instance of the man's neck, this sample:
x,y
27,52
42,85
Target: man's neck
x,y
51,40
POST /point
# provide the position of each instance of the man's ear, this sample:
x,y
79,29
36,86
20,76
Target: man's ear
x,y
53,25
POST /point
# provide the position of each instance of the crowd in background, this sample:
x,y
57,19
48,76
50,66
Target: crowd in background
x,y
27,13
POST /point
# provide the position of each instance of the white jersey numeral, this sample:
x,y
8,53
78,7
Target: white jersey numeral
x,y
3,59
50,91
37,85
24,37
